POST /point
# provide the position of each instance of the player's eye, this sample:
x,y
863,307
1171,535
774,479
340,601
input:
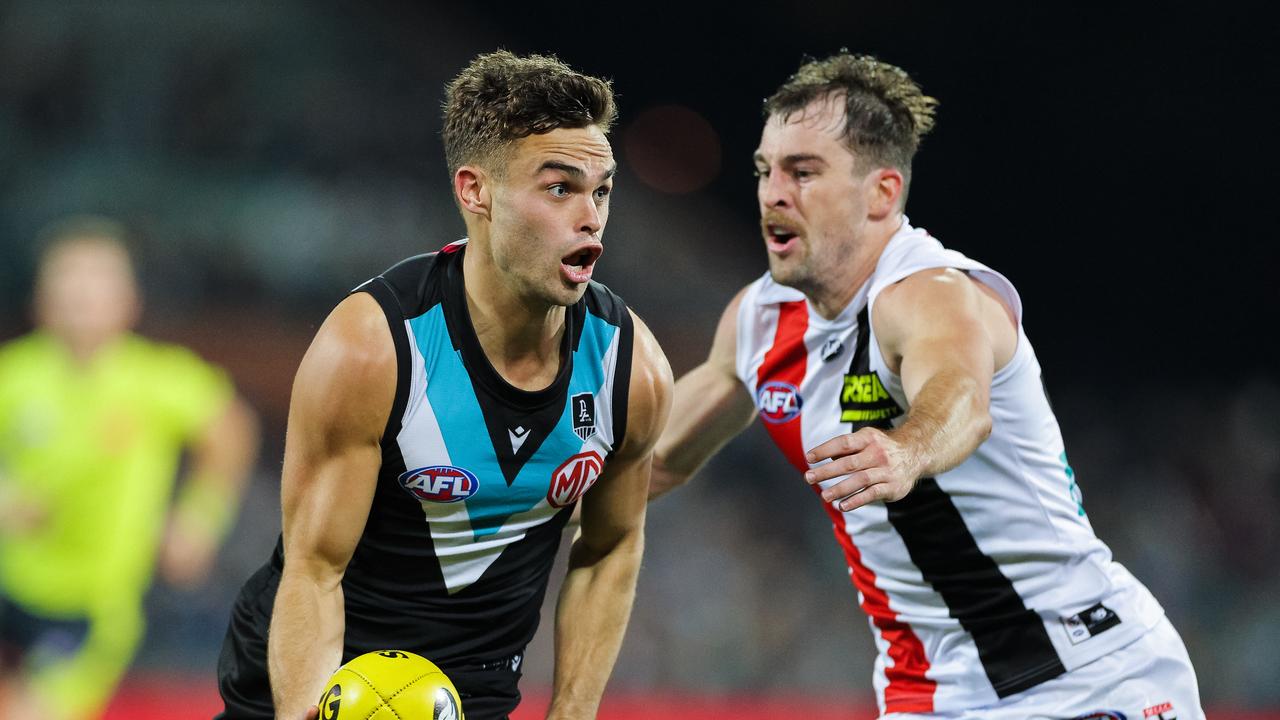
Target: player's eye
x,y
559,190
602,192
761,172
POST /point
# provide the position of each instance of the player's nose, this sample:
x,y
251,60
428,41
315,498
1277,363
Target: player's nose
x,y
591,220
774,191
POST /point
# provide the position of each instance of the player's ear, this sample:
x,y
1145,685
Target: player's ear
x,y
472,187
884,189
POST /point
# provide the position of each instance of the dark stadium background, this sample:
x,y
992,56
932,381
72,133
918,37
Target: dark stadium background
x,y
1117,164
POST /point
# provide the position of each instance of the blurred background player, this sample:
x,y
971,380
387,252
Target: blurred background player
x,y
94,421
449,416
895,376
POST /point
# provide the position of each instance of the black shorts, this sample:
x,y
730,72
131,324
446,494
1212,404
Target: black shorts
x,y
488,689
27,638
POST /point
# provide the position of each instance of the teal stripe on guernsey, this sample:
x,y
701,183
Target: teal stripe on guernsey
x,y
588,368
453,398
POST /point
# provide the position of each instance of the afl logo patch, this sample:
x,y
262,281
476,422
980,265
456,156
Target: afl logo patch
x,y
440,483
573,478
778,401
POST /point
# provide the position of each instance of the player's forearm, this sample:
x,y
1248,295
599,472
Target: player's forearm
x,y
663,478
710,409
948,420
305,642
591,619
220,470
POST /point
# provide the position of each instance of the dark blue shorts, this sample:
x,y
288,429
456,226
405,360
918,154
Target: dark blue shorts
x,y
34,641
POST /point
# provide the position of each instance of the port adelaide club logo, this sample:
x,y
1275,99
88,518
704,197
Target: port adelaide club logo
x,y
778,401
440,483
583,408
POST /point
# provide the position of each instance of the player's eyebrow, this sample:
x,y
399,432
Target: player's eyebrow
x,y
792,159
573,170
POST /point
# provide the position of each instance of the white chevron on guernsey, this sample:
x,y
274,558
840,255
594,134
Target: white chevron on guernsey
x,y
463,559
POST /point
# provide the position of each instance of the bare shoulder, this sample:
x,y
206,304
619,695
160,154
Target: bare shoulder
x,y
649,397
349,372
724,348
942,303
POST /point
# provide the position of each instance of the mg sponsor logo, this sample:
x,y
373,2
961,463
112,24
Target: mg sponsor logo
x,y
574,477
440,483
778,402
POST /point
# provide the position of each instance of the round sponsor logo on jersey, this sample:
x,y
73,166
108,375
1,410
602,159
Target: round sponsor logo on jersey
x,y
778,402
573,478
440,483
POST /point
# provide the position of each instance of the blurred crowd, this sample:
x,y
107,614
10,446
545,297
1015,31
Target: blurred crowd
x,y
268,158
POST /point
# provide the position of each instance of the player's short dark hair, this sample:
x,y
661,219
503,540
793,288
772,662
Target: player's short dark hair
x,y
886,113
500,98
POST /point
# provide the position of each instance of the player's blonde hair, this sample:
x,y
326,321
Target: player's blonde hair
x,y
501,97
886,113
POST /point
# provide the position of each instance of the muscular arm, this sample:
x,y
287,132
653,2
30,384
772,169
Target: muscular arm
x,y
710,407
342,396
595,600
945,335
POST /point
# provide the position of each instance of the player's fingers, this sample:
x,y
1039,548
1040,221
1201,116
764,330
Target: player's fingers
x,y
840,466
313,713
846,444
873,491
848,487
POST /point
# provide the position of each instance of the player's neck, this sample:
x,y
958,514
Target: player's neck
x,y
521,338
833,291
84,349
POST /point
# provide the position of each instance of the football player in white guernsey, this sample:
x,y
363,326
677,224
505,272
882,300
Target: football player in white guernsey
x,y
532,170
896,377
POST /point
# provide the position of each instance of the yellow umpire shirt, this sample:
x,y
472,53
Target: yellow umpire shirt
x,y
98,448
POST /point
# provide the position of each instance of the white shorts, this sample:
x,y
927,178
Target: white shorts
x,y
1149,679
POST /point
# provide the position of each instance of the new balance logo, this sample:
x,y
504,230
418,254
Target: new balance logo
x,y
518,436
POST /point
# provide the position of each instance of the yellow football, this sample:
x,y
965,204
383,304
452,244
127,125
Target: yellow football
x,y
390,685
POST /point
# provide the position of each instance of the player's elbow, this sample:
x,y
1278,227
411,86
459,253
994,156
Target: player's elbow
x,y
982,426
663,478
980,421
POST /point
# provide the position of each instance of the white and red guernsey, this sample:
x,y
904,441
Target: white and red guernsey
x,y
986,580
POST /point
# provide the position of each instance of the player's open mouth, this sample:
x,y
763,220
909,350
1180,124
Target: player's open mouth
x,y
780,239
576,266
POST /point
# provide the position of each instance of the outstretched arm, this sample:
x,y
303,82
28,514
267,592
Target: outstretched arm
x,y
595,600
946,335
710,408
342,396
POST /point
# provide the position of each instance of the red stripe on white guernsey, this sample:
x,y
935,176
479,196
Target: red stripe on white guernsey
x,y
909,690
785,362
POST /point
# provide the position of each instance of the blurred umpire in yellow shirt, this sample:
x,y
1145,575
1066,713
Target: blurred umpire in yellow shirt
x,y
94,421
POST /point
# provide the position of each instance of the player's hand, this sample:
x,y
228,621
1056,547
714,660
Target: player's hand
x,y
186,557
313,713
877,468
20,515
